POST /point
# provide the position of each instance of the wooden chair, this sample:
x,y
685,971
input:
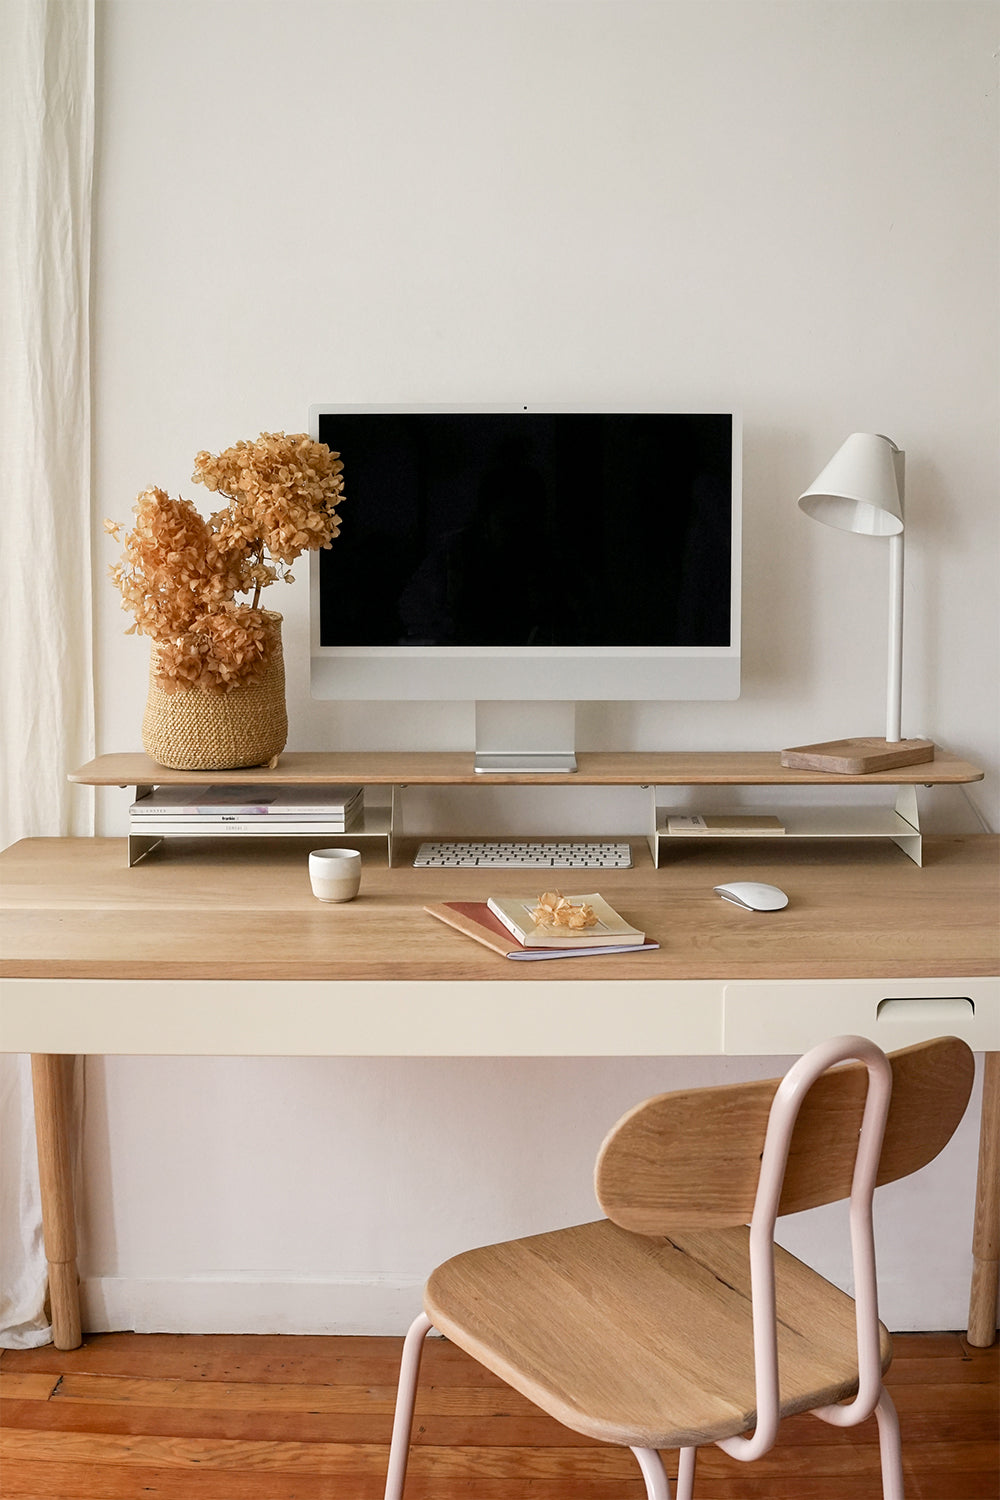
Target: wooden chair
x,y
671,1323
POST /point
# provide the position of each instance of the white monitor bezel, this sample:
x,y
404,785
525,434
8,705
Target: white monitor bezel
x,y
560,674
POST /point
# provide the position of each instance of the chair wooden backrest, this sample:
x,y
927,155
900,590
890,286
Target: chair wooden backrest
x,y
693,1157
745,1153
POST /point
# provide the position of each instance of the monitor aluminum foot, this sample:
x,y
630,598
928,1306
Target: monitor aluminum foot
x,y
524,763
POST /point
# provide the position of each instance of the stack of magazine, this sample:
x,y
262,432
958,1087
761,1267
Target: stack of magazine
x,y
197,810
506,924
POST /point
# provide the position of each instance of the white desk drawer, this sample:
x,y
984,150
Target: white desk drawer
x,y
314,1017
761,1017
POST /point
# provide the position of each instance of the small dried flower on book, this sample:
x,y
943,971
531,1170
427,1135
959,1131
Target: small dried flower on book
x,y
556,910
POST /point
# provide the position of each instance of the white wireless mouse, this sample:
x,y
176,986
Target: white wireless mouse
x,y
752,895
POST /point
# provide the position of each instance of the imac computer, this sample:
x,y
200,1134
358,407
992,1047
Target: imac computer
x,y
528,560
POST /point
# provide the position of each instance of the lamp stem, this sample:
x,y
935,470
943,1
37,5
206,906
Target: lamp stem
x,y
894,690
894,693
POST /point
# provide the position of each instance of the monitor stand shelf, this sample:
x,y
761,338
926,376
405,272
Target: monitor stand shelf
x,y
392,771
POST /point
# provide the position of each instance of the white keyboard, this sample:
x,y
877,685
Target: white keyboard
x,y
513,854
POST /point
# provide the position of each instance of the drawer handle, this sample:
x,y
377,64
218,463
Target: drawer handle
x,y
945,1008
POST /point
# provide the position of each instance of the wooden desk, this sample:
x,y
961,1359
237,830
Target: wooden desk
x,y
220,949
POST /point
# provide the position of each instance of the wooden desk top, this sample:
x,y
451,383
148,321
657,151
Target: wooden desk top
x,y
243,910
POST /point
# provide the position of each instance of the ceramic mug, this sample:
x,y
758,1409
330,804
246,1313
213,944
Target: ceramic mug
x,y
335,874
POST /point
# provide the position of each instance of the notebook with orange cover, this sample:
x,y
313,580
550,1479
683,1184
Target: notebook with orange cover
x,y
476,921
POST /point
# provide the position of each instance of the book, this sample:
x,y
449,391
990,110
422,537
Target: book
x,y
726,825
196,827
610,930
292,803
475,920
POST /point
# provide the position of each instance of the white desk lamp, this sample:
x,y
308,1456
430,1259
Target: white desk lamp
x,y
861,490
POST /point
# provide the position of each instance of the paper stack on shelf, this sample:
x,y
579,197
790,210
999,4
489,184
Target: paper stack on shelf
x,y
249,809
725,825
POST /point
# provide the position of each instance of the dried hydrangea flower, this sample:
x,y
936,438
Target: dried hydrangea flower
x,y
179,574
282,492
222,650
172,566
554,910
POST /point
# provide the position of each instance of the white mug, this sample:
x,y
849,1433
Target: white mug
x,y
335,874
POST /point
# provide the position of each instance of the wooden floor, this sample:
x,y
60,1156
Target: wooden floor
x,y
163,1417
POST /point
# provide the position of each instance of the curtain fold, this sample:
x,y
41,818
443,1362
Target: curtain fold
x,y
46,624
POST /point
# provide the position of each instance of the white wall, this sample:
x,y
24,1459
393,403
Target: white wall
x,y
787,205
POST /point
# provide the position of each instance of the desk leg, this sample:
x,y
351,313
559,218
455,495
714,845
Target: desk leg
x,y
51,1076
986,1233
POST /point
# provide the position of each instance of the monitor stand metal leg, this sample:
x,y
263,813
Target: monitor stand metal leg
x,y
907,834
140,845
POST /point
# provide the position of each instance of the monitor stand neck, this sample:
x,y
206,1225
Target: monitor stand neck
x,y
524,737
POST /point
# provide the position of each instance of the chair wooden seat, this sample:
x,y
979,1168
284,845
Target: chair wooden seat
x,y
670,1364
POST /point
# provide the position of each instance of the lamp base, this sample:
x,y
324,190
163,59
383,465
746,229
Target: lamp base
x,y
858,757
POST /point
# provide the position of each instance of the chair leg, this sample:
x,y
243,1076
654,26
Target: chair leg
x,y
653,1472
890,1450
406,1395
685,1473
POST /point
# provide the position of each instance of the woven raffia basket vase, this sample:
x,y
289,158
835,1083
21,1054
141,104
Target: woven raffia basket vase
x,y
195,731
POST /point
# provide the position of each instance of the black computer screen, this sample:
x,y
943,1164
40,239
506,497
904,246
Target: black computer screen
x,y
530,529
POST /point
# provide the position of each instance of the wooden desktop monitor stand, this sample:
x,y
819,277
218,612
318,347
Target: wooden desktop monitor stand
x,y
664,777
184,954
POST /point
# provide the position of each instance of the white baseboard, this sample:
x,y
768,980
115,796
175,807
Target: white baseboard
x,y
112,1304
376,1306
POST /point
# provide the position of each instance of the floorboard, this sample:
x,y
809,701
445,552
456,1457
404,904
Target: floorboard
x,y
252,1417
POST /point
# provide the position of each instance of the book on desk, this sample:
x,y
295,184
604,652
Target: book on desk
x,y
553,920
477,921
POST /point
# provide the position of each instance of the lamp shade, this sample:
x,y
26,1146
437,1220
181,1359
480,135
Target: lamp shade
x,y
860,488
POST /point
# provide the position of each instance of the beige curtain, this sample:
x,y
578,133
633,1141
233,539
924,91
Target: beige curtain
x,y
46,671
